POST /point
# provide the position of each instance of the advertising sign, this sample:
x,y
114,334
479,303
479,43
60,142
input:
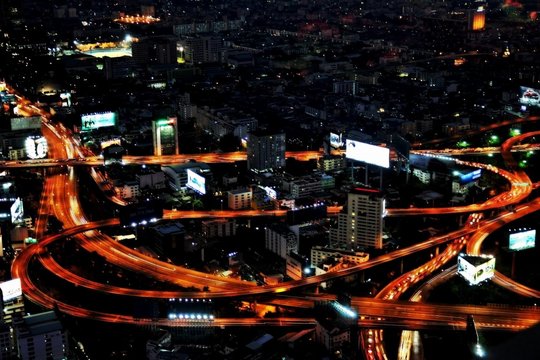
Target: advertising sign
x,y
196,182
476,269
522,240
371,154
17,211
11,289
36,147
336,141
95,121
529,96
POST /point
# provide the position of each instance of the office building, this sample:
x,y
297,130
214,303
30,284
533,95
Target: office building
x,y
165,136
154,50
203,49
265,151
239,199
360,225
280,239
40,336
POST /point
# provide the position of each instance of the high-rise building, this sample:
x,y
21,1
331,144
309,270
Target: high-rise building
x,y
165,136
265,151
154,50
41,336
361,223
203,49
280,239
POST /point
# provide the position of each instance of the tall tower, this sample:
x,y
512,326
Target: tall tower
x,y
265,151
361,224
165,136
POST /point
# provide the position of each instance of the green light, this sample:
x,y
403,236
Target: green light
x,y
515,132
462,144
164,122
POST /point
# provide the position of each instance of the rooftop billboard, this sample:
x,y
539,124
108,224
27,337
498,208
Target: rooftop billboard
x,y
529,96
97,120
370,154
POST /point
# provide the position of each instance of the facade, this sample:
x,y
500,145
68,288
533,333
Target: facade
x,y
320,254
165,136
308,185
6,342
280,239
219,228
331,335
226,121
152,180
40,336
295,265
331,163
129,190
265,151
361,223
239,199
176,175
203,49
155,50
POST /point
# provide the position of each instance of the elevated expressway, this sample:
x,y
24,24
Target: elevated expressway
x,y
93,240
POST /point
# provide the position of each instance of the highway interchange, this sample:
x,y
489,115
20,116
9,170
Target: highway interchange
x,y
60,197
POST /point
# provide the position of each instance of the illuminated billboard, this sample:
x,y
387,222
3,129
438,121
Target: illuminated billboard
x,y
476,269
11,289
97,120
470,177
25,123
110,142
336,141
371,154
271,193
529,96
17,211
196,182
36,147
522,240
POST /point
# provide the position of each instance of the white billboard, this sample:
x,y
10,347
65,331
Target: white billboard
x,y
476,269
196,182
11,289
522,240
371,154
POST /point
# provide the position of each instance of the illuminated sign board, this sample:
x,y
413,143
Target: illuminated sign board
x,y
17,211
98,120
529,96
336,141
196,182
470,177
271,193
371,154
522,240
11,289
36,147
110,142
476,269
25,123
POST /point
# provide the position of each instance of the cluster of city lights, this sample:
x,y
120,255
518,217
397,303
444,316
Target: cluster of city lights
x,y
344,310
189,300
137,19
191,317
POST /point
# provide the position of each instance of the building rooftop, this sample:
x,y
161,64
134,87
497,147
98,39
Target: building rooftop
x,y
39,324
